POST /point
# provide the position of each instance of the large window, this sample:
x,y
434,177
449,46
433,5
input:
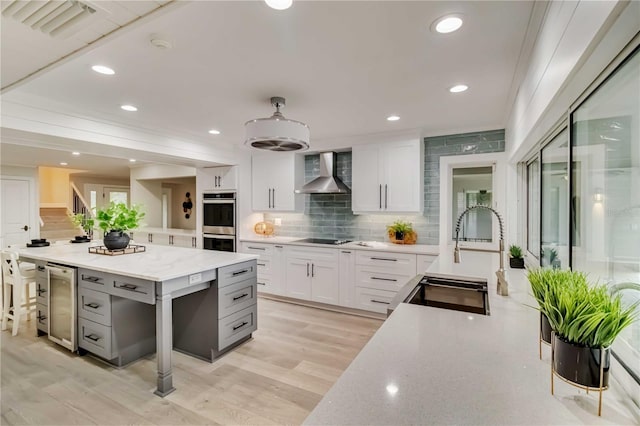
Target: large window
x,y
606,190
533,207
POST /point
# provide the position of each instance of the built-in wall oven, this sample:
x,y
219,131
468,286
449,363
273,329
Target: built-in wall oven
x,y
219,221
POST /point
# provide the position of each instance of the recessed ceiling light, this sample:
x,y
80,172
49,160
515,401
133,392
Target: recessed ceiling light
x,y
76,153
279,4
103,70
393,118
129,108
132,160
214,132
447,24
458,88
63,164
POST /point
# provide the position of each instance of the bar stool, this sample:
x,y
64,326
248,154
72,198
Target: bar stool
x,y
16,281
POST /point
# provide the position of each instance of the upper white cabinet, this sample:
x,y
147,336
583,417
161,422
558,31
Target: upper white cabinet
x,y
275,176
388,177
221,178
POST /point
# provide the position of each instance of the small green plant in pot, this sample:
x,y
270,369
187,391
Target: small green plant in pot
x,y
516,260
84,222
115,220
399,229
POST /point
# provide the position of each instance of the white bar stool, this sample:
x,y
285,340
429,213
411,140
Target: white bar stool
x,y
16,281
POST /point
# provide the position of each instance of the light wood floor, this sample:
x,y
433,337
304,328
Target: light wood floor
x,y
278,377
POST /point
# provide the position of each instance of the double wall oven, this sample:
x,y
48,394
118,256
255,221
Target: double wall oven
x,y
219,221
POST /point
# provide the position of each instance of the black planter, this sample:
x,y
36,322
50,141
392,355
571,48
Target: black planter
x,y
516,263
545,328
399,235
114,240
580,364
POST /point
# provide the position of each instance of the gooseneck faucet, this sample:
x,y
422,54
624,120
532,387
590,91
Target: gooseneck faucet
x,y
503,285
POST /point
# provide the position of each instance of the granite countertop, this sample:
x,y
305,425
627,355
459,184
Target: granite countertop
x,y
428,365
355,245
170,231
157,263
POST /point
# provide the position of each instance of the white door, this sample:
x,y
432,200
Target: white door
x,y
325,283
366,192
16,212
401,176
298,278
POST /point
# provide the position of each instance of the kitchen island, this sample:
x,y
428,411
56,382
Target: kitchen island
x,y
427,365
205,282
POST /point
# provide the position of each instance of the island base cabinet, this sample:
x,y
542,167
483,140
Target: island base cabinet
x,y
237,326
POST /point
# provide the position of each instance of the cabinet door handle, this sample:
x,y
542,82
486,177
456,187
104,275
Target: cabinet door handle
x,y
41,317
41,290
91,279
40,268
256,248
92,305
385,196
385,259
269,197
240,326
307,269
273,192
240,297
344,251
312,271
126,286
277,247
380,301
262,264
93,337
235,274
380,195
259,283
383,279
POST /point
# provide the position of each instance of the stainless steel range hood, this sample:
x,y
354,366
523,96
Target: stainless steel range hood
x,y
327,182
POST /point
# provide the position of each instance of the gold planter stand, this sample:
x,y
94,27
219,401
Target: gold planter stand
x,y
600,389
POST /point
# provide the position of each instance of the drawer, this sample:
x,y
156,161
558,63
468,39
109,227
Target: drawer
x,y
237,326
93,280
94,305
42,320
94,337
371,299
392,262
314,253
264,267
375,277
42,287
262,250
133,288
236,297
232,274
423,262
264,284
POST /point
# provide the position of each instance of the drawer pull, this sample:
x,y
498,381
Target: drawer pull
x,y
262,264
384,279
92,337
40,291
240,297
40,268
344,251
278,246
91,279
380,301
41,317
259,283
256,248
129,287
240,326
244,271
384,258
92,305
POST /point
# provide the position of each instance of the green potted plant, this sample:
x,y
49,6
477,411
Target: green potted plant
x,y
115,220
86,223
399,230
516,260
585,320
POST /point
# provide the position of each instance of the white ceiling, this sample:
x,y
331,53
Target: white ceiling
x,y
343,67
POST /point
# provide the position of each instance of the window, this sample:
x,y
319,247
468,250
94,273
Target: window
x,y
473,186
533,208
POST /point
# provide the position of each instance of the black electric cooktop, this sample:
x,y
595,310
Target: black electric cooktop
x,y
323,241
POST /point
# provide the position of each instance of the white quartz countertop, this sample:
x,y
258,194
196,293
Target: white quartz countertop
x,y
427,365
170,231
355,245
157,263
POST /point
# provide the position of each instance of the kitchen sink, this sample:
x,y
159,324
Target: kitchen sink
x,y
446,292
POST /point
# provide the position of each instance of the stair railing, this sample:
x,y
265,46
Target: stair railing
x,y
80,205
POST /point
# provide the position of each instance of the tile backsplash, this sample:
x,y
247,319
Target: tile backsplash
x,y
330,215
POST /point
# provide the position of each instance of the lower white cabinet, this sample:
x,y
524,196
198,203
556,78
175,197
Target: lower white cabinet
x,y
371,299
347,278
312,274
271,268
163,238
423,261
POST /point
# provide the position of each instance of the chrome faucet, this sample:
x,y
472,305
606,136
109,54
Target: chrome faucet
x,y
503,285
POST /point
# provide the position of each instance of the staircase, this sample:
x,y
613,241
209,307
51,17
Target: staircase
x,y
57,224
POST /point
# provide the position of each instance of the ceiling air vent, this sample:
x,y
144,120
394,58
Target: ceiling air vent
x,y
57,18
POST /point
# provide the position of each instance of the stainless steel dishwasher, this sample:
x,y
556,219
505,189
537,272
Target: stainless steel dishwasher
x,y
62,305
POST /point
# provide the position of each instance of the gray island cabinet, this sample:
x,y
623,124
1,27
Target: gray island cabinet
x,y
199,302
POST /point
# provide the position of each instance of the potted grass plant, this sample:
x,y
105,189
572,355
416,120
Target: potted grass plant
x,y
516,260
115,220
585,320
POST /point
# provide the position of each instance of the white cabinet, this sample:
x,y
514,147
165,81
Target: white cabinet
x,y
347,278
164,239
270,266
423,261
274,177
221,178
312,274
388,177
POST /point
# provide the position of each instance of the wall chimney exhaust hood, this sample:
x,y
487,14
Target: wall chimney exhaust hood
x,y
327,182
